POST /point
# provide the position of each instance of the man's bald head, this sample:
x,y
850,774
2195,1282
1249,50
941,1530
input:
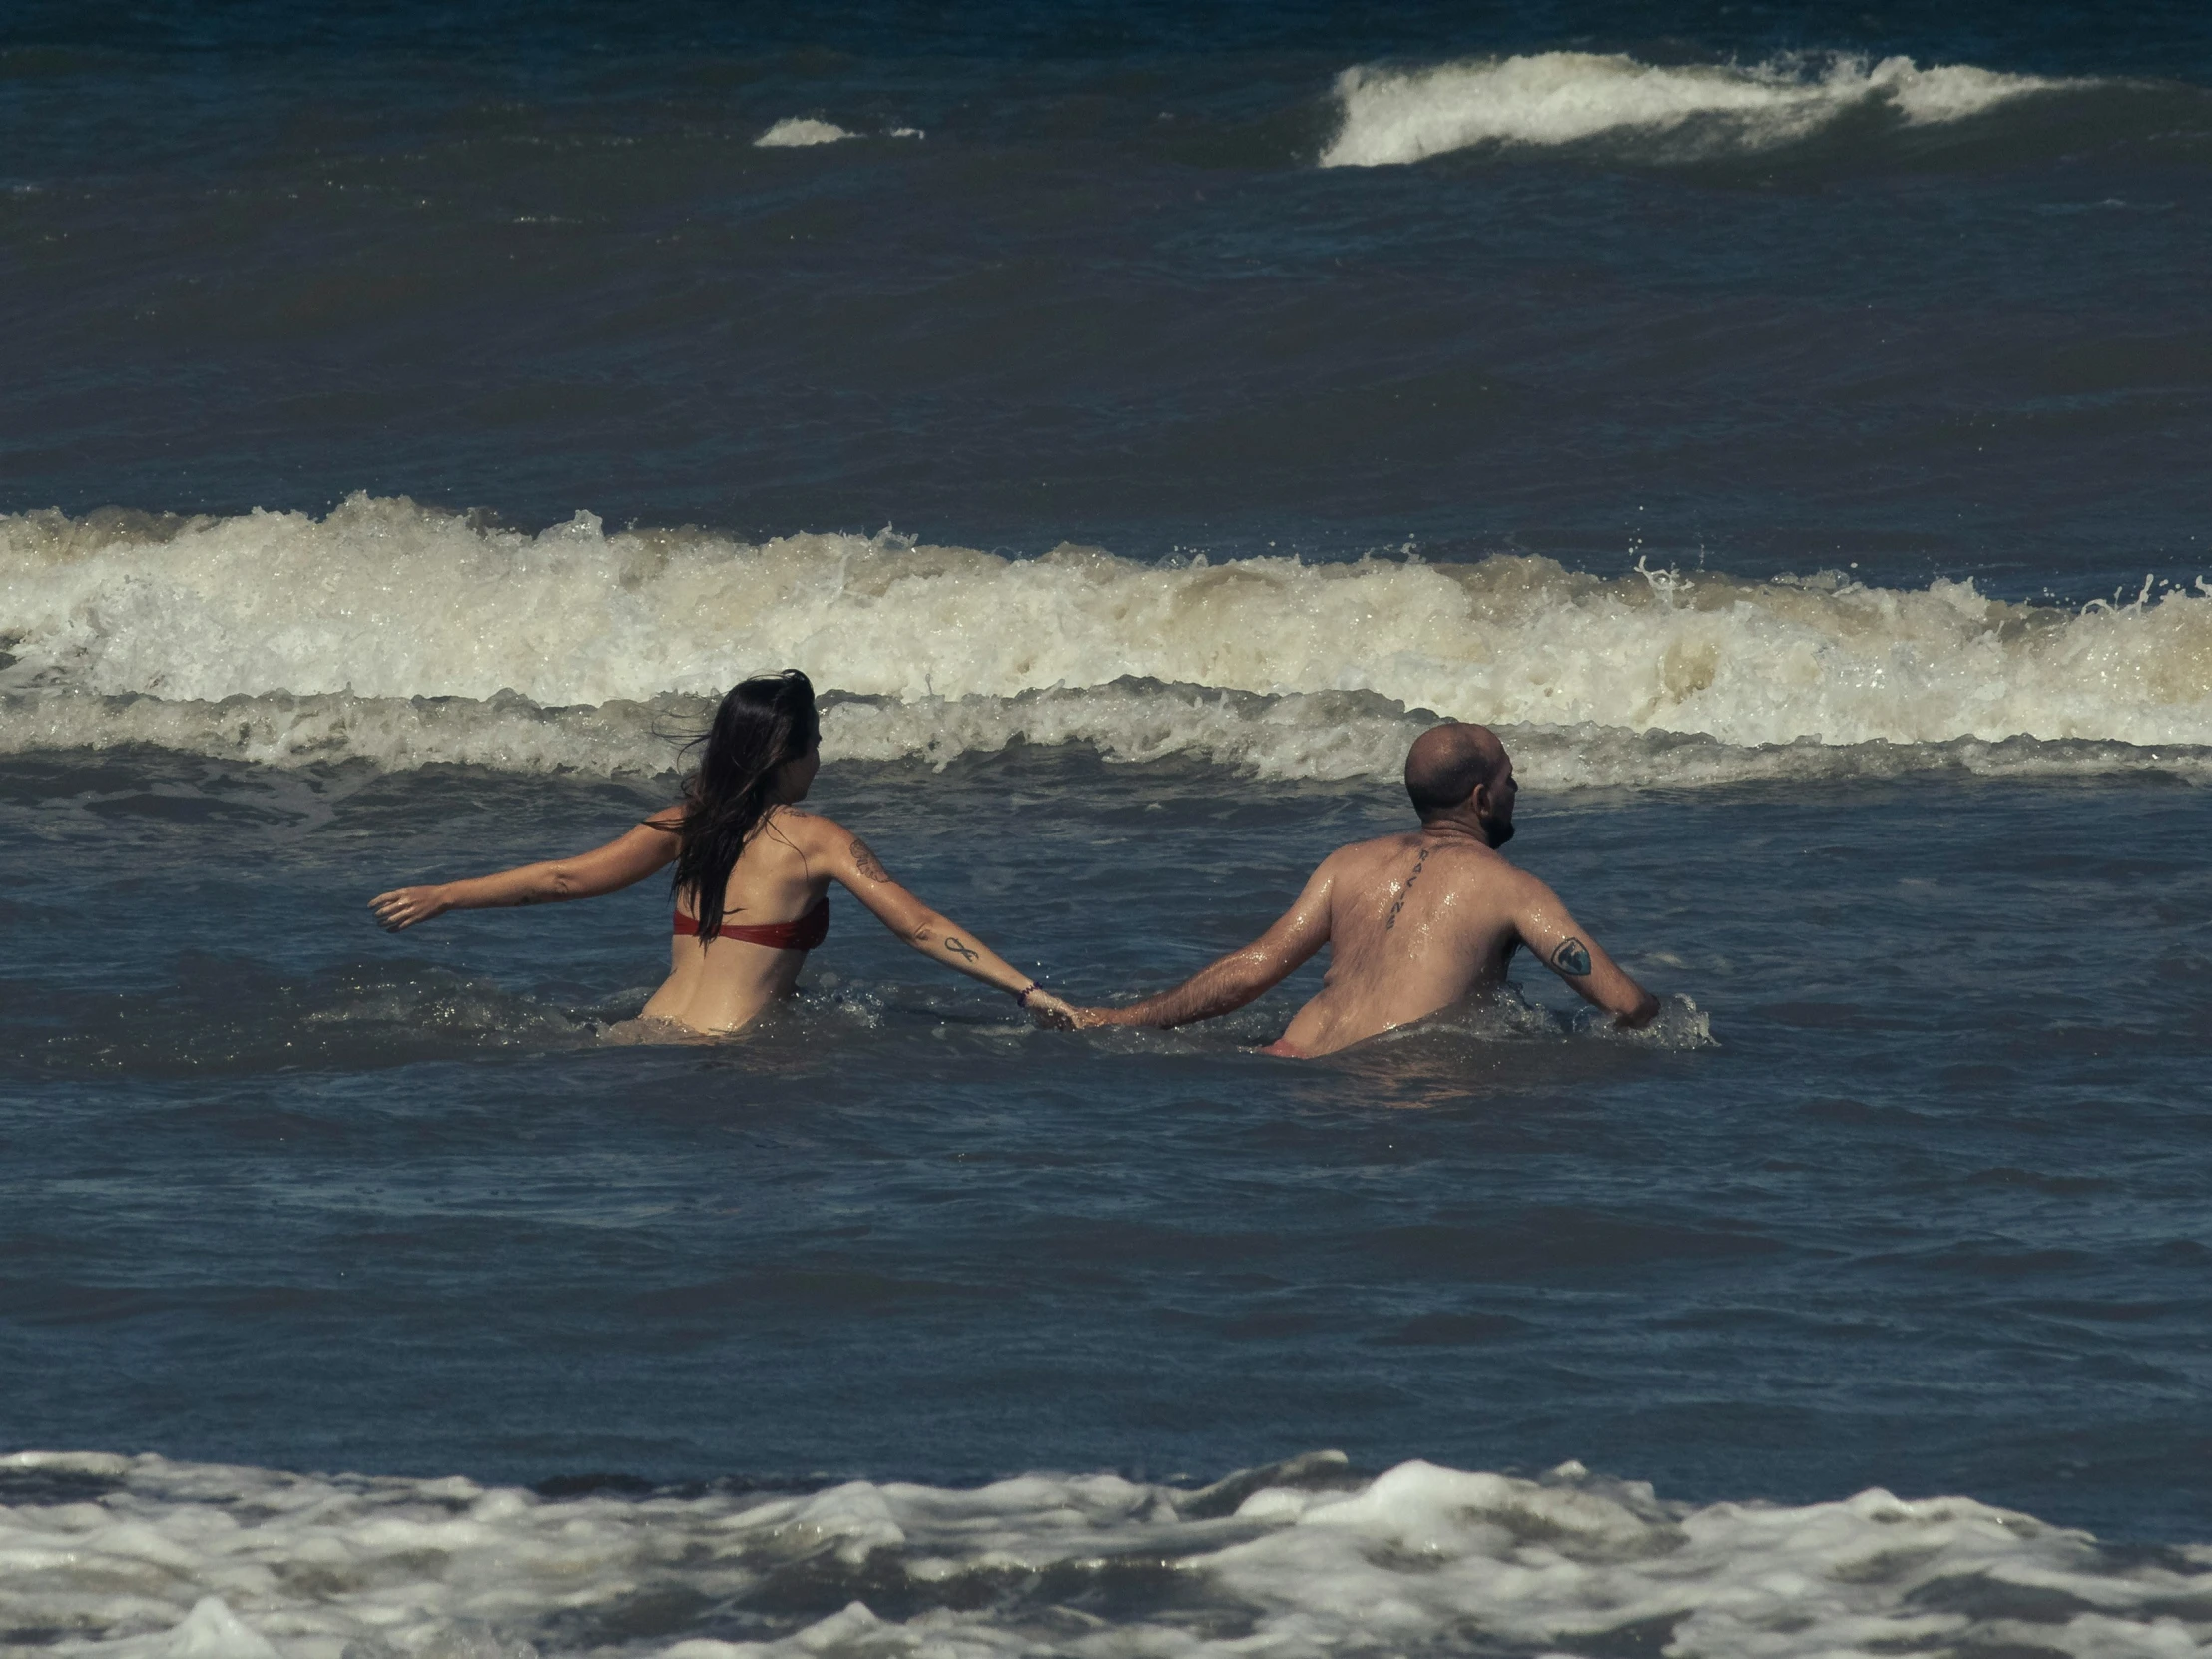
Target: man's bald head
x,y
1448,763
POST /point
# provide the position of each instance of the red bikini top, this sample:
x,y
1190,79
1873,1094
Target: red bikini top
x,y
806,934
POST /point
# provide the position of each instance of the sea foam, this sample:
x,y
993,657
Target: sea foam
x,y
1318,736
1552,98
138,1556
401,635
796,132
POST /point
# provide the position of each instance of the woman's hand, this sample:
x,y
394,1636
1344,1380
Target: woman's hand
x,y
402,908
1073,1016
1049,1012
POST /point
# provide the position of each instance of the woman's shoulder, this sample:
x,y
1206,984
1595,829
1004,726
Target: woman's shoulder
x,y
807,829
829,847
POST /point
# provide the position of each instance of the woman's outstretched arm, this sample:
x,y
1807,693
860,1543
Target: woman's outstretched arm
x,y
625,859
848,859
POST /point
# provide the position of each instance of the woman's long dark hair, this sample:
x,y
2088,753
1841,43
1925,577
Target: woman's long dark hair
x,y
764,722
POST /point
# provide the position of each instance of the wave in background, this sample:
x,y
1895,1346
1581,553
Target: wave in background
x,y
796,132
401,635
134,1556
1328,736
1552,98
800,132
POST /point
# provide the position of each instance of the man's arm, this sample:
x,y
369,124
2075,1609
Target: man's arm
x,y
1562,945
1226,984
626,859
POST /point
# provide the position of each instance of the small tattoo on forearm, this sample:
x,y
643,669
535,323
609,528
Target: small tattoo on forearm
x,y
1419,865
958,949
866,862
1572,958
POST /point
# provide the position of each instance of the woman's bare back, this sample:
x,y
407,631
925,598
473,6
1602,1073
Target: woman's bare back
x,y
720,984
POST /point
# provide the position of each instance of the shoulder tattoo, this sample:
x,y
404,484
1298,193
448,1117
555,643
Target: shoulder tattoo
x,y
866,862
1572,958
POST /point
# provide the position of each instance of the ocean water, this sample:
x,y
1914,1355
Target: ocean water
x,y
1786,426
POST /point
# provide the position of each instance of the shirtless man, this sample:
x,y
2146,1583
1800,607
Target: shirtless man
x,y
1415,921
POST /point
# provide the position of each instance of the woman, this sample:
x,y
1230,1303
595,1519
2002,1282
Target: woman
x,y
752,875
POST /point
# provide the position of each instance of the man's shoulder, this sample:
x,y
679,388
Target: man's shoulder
x,y
1521,885
1466,863
1409,840
1394,842
1379,848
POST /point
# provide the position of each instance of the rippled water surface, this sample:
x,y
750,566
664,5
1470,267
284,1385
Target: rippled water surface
x,y
1910,1198
1787,426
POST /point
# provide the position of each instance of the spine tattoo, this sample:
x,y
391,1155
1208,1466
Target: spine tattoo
x,y
1420,864
1572,958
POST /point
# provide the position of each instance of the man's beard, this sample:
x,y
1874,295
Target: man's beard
x,y
1498,832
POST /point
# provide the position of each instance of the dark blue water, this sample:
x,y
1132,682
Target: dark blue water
x,y
530,259
295,1193
1903,1192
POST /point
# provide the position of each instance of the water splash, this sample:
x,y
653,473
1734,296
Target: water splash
x,y
1391,117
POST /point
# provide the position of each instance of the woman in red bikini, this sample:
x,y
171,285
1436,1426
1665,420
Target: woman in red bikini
x,y
752,875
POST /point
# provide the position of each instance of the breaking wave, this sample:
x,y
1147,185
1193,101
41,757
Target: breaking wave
x,y
1327,736
796,132
402,636
799,132
1554,98
132,1557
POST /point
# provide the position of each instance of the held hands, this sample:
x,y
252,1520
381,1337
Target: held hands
x,y
404,908
1067,1017
1049,1012
1056,1013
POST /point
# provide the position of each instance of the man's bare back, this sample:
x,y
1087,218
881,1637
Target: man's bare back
x,y
1415,921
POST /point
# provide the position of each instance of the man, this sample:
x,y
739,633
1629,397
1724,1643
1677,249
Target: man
x,y
1415,923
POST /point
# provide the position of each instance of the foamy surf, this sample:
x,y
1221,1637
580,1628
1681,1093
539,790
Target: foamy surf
x,y
797,132
402,636
1391,117
800,132
1325,736
139,1556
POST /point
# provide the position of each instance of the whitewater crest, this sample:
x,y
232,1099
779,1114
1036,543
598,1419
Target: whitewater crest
x,y
1322,737
1391,117
405,636
797,132
800,131
138,1557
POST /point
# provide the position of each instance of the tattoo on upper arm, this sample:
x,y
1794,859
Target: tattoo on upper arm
x,y
1399,903
1572,958
866,862
958,949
